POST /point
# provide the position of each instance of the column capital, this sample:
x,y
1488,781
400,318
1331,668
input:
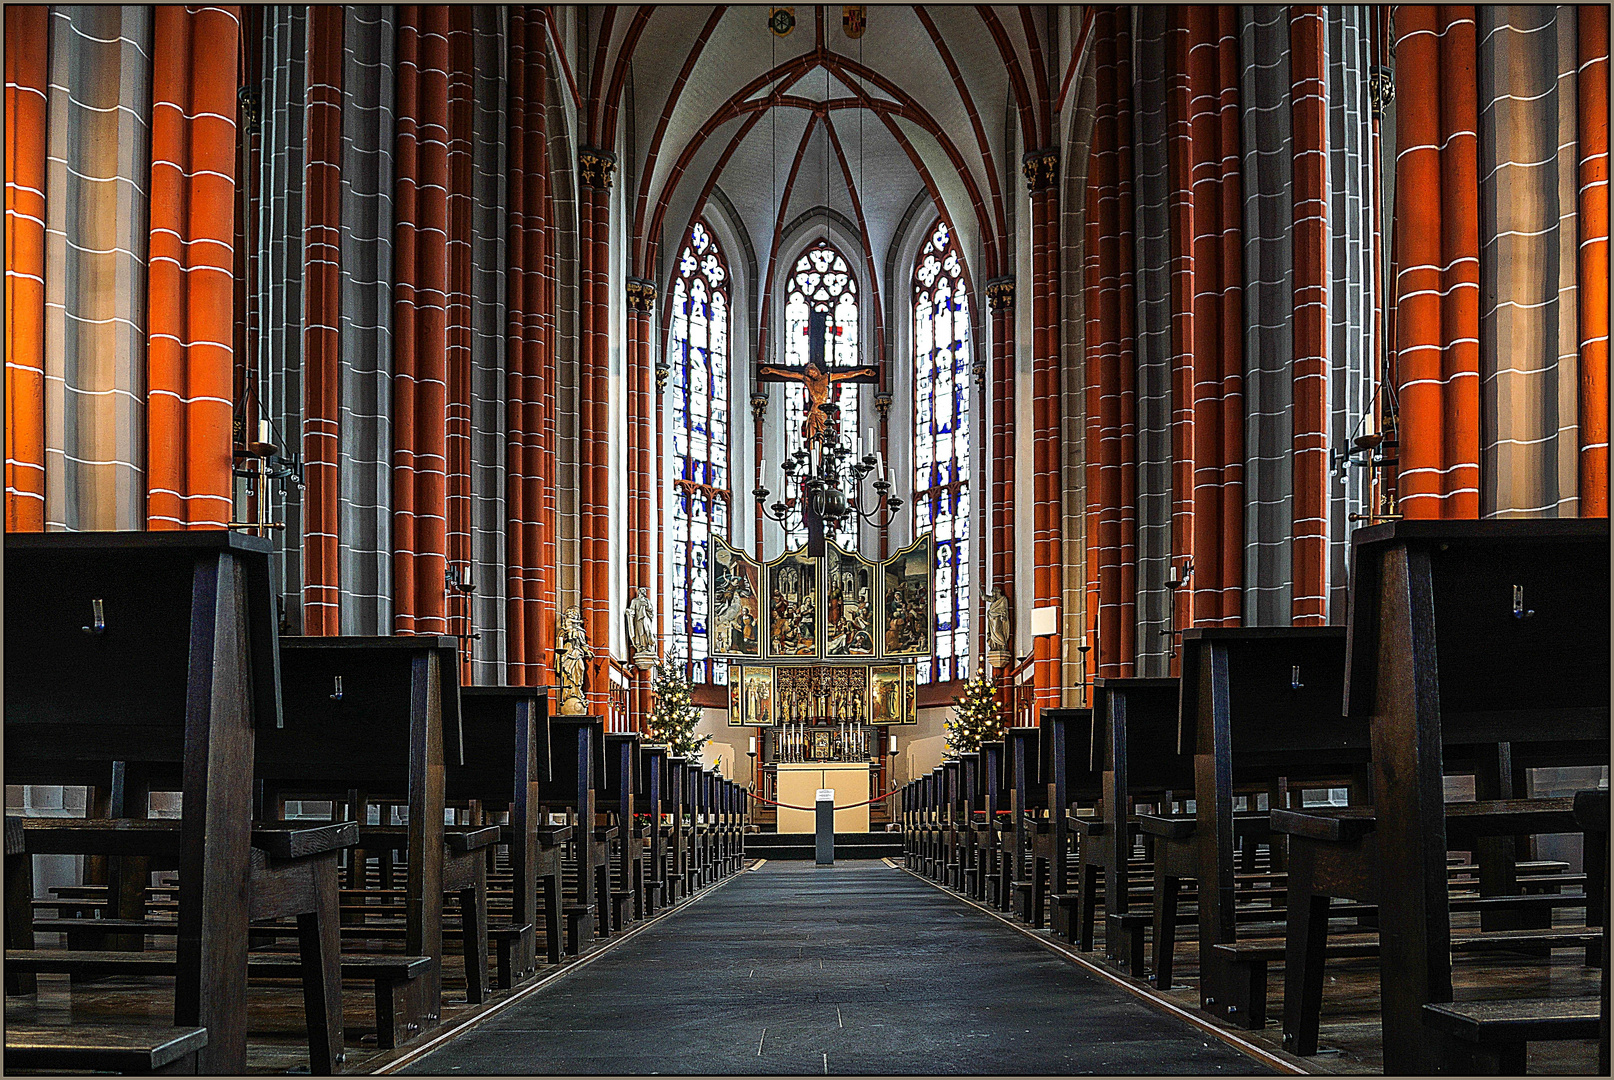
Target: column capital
x,y
596,168
1000,293
1041,168
641,294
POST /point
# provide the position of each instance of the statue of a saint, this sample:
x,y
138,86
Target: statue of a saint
x,y
642,629
572,654
999,632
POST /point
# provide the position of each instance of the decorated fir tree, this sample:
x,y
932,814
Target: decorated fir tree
x,y
673,715
977,717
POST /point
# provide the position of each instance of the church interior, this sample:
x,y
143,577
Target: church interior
x,y
867,539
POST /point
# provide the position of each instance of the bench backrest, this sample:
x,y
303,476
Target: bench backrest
x,y
1024,766
1066,750
1280,692
360,735
953,777
1137,735
572,771
78,698
498,724
1519,616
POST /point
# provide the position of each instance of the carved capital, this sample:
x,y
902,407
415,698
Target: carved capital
x,y
596,168
1000,294
1041,168
641,294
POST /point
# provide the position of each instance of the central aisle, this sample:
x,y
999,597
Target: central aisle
x,y
855,968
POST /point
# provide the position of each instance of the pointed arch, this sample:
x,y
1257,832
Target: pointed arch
x,y
697,405
942,440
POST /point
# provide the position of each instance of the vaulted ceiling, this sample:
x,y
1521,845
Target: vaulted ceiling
x,y
709,99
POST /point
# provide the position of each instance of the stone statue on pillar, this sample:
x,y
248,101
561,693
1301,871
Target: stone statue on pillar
x,y
572,654
999,629
642,629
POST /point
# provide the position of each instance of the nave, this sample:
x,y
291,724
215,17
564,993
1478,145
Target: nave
x,y
856,968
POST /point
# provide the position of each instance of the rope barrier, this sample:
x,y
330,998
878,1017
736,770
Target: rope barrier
x,y
850,806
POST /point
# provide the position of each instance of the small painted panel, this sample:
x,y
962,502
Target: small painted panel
x,y
795,620
757,697
908,600
736,603
849,605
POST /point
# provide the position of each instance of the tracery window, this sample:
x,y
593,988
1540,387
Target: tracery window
x,y
941,461
698,409
821,280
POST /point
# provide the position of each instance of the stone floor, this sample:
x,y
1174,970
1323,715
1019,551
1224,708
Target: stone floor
x,y
856,968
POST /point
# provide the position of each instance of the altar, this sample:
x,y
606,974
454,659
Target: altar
x,y
800,781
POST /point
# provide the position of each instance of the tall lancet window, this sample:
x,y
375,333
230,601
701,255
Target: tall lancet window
x,y
941,453
821,280
697,406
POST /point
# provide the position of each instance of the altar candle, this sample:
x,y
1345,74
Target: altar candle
x,y
264,431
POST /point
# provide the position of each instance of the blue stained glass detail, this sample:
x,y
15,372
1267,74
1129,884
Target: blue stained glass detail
x,y
697,407
941,461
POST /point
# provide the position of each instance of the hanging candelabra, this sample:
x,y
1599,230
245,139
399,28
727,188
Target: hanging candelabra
x,y
826,478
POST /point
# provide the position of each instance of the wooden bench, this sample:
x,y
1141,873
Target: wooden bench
x,y
1249,958
1434,605
1592,814
1497,1031
179,629
1031,837
651,778
1135,744
577,746
618,790
1259,706
104,1048
378,715
1066,751
506,759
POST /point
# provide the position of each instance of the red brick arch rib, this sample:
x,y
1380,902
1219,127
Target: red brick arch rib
x,y
1017,77
981,140
641,244
843,68
613,97
863,232
1041,69
596,77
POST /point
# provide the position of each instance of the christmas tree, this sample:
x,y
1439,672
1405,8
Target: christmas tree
x,y
976,716
673,715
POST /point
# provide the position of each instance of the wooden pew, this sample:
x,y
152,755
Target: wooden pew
x,y
1135,739
999,869
973,853
678,830
178,628
1032,837
1257,705
577,750
381,714
1441,611
952,812
626,872
651,803
1066,750
506,760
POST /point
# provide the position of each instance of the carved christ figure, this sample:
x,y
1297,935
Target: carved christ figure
x,y
818,383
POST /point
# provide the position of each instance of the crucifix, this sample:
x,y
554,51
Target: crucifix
x,y
819,378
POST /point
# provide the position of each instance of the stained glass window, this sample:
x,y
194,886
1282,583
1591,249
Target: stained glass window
x,y
941,461
697,404
821,280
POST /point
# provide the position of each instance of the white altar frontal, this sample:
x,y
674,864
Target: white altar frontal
x,y
799,783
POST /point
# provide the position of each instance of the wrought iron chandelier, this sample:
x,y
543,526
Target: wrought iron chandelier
x,y
826,478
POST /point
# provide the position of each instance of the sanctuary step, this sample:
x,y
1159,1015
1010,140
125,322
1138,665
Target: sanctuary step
x,y
869,845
